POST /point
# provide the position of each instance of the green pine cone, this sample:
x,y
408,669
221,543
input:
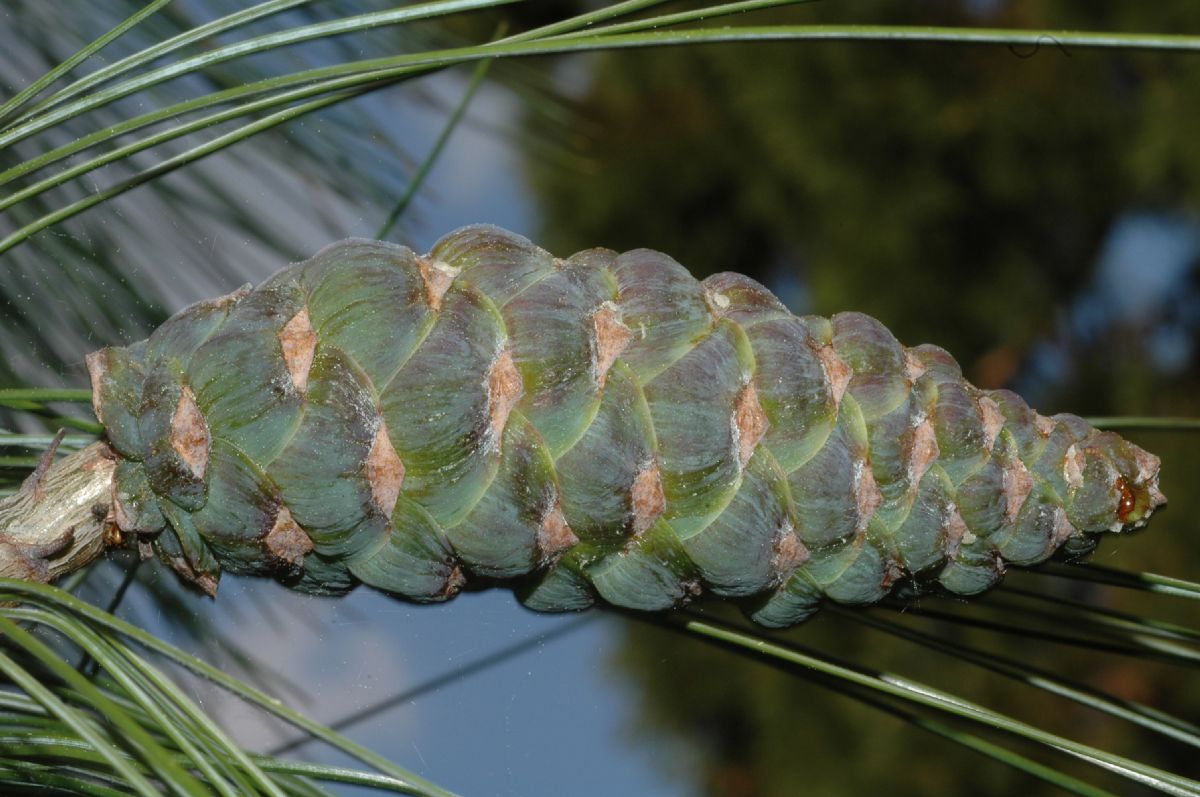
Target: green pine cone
x,y
603,425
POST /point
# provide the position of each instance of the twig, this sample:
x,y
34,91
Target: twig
x,y
58,526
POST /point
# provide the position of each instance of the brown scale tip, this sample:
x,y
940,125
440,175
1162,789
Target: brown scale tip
x,y
455,581
609,338
438,277
204,582
286,542
505,389
97,366
385,471
837,373
749,423
298,340
555,536
647,497
189,434
867,494
788,553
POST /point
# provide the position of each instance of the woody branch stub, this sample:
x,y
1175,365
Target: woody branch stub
x,y
56,523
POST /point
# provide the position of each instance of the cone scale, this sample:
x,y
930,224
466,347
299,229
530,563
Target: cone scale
x,y
603,427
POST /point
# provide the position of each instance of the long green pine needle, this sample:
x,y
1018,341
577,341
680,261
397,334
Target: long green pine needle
x,y
924,695
58,601
35,88
155,51
1135,713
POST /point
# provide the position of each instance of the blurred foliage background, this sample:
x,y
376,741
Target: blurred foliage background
x,y
1034,210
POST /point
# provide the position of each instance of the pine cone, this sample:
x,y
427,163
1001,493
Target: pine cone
x,y
601,426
